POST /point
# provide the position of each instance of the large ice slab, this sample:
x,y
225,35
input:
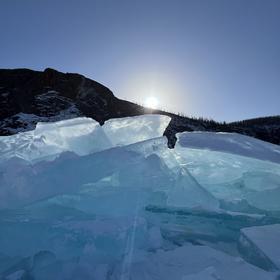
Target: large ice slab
x,y
188,193
233,143
81,136
130,130
233,177
261,245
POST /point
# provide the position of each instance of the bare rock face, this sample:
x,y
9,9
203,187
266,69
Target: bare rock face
x,y
28,97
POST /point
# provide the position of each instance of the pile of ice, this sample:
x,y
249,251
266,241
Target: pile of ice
x,y
84,201
80,135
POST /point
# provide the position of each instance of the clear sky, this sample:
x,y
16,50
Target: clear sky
x,y
211,58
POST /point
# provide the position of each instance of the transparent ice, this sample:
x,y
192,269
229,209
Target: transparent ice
x,y
84,201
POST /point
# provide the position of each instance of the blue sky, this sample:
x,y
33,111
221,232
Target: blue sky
x,y
211,58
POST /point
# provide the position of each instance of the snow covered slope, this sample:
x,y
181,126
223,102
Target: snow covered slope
x,y
84,201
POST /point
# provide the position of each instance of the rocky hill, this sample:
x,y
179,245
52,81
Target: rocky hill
x,y
27,97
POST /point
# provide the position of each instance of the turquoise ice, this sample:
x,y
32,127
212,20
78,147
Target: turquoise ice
x,y
84,201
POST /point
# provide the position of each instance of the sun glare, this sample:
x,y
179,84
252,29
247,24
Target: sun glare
x,y
151,102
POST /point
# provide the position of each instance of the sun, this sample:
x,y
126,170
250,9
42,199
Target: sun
x,y
151,102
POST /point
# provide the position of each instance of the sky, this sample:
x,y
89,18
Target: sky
x,y
218,59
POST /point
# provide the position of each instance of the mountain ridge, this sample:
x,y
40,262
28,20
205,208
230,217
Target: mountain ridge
x,y
28,96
